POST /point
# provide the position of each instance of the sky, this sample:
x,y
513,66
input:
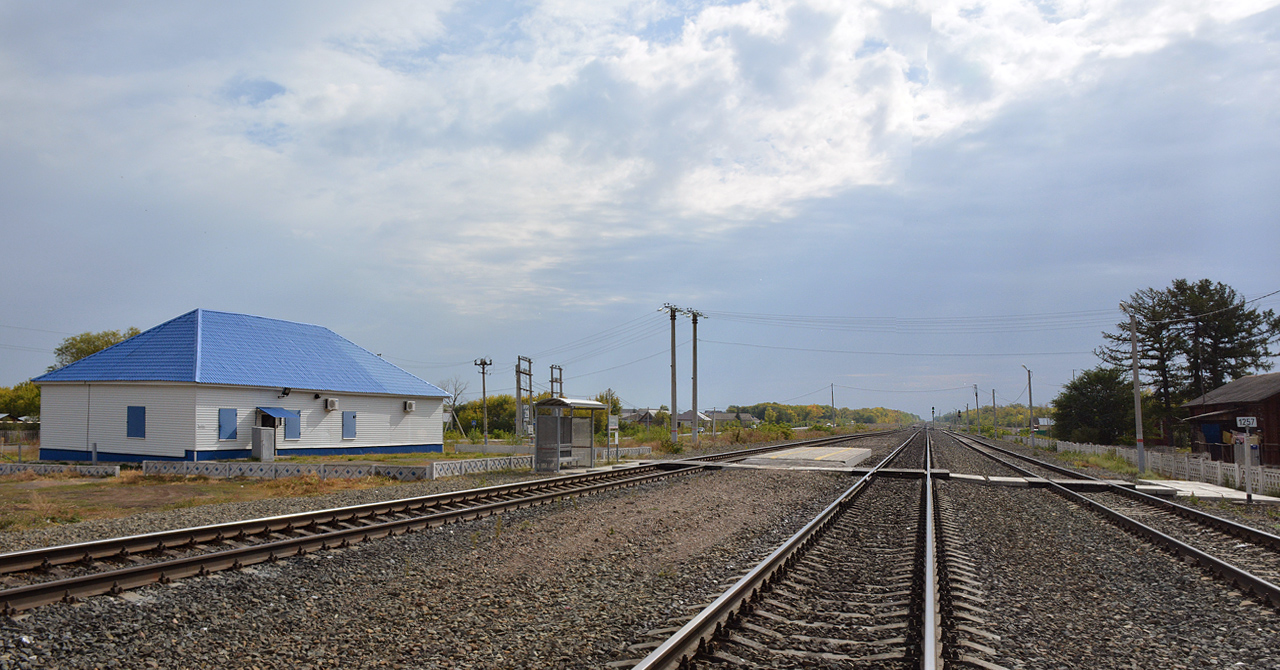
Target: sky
x,y
890,201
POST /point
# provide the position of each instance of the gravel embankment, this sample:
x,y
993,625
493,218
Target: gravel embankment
x,y
1065,589
567,585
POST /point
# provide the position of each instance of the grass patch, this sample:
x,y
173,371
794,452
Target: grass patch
x,y
1108,461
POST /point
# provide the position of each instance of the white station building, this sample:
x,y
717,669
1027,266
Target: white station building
x,y
194,387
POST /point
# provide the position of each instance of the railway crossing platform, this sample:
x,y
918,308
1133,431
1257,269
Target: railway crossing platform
x,y
1206,491
811,457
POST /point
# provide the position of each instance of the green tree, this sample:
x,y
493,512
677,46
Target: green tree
x,y
1192,338
1095,407
1160,347
79,346
1224,338
21,400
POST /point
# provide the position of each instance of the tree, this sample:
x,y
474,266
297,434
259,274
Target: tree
x,y
79,346
1192,338
1160,347
21,400
1095,407
1224,338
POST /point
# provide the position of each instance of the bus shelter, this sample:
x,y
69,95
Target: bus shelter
x,y
560,436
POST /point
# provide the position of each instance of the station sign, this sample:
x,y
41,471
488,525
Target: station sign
x,y
1246,422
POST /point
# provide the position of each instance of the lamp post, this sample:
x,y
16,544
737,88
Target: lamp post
x,y
1031,409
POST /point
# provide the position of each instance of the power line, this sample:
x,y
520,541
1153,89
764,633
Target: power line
x,y
895,353
855,388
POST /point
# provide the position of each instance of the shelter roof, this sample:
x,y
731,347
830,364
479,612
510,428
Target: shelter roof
x,y
1254,388
210,347
572,403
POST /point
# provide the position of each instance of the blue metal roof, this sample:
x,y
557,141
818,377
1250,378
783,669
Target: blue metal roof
x,y
240,350
277,412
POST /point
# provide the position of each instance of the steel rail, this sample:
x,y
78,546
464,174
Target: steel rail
x,y
1224,570
82,552
115,581
931,630
45,557
1249,533
695,636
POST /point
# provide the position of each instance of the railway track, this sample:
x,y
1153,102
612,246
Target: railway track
x,y
879,579
1244,556
70,572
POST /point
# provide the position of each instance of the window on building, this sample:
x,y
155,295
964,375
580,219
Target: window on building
x,y
293,425
348,425
136,422
227,424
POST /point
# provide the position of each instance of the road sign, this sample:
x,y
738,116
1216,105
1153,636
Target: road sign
x,y
1246,422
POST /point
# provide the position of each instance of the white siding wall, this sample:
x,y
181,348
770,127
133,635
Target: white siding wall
x,y
62,417
380,420
170,427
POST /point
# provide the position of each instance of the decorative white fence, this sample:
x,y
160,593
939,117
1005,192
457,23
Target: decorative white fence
x,y
53,468
1183,466
432,470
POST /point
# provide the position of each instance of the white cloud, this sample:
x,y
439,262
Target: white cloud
x,y
538,134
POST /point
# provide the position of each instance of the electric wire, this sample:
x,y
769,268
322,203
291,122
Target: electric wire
x,y
895,353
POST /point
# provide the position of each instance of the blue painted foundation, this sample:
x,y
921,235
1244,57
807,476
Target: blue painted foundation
x,y
227,454
356,451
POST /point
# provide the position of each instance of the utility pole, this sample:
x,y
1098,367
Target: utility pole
x,y
977,408
1031,409
1137,391
557,381
994,415
694,314
833,403
524,392
483,364
675,422
967,423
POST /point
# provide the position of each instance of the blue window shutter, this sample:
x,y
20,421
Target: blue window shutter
x,y
136,422
293,425
227,424
348,425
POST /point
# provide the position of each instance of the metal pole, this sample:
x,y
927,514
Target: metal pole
x,y
977,409
675,422
1137,394
994,415
1031,410
697,425
483,364
833,403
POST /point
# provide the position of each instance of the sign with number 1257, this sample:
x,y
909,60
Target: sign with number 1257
x,y
1246,422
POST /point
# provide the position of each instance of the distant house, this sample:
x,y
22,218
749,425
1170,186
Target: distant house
x,y
646,417
726,418
1213,416
194,387
685,420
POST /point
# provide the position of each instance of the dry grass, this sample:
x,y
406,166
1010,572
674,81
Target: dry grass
x,y
28,501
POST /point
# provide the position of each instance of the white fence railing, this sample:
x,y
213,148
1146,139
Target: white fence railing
x,y
1180,466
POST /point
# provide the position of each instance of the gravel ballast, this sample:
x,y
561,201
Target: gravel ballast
x,y
1066,589
573,584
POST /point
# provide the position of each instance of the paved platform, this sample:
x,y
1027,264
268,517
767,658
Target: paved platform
x,y
1206,491
812,457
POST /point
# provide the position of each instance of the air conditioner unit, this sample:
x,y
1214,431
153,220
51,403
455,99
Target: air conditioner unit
x,y
410,405
330,404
